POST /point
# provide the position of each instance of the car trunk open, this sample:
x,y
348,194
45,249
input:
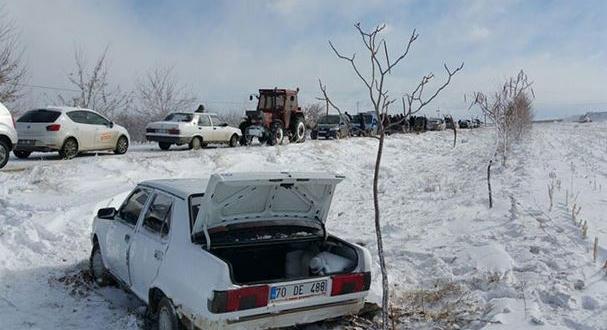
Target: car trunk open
x,y
287,260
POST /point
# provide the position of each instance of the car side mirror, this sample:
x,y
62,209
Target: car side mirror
x,y
107,213
111,124
250,97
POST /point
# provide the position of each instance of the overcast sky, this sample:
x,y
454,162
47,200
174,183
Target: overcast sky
x,y
225,51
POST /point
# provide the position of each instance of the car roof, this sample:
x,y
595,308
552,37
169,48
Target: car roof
x,y
193,113
63,109
182,188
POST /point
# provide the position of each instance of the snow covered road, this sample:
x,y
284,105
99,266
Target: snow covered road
x,y
518,262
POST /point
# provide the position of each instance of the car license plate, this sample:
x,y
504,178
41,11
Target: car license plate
x,y
299,290
26,142
255,131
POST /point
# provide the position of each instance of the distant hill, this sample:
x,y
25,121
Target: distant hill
x,y
592,116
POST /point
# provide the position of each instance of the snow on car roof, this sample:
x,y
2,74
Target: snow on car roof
x,y
64,108
179,187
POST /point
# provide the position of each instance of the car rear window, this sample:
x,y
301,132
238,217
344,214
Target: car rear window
x,y
195,201
180,117
39,116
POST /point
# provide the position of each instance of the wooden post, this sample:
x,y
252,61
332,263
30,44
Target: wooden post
x,y
594,250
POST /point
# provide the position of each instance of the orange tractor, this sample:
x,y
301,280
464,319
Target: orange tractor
x,y
277,116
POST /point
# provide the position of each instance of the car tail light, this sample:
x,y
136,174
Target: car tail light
x,y
350,283
14,123
53,127
239,299
174,131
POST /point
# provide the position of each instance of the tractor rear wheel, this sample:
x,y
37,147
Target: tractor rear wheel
x,y
298,131
276,134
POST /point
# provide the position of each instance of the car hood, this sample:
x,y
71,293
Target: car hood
x,y
247,197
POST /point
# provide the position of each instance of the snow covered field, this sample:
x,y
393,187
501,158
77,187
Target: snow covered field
x,y
518,265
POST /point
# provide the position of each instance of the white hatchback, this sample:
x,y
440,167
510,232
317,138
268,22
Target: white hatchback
x,y
8,134
239,251
196,129
69,131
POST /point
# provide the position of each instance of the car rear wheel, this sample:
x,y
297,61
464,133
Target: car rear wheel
x,y
196,143
22,154
69,149
234,141
4,153
164,145
100,274
122,145
167,317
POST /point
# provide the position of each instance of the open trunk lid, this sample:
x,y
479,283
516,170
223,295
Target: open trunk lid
x,y
265,196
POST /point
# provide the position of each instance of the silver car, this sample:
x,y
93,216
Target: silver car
x,y
69,131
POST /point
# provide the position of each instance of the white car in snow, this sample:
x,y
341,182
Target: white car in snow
x,y
239,251
196,129
69,131
8,134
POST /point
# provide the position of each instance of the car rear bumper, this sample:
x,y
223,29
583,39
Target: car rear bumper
x,y
327,133
42,145
286,318
168,139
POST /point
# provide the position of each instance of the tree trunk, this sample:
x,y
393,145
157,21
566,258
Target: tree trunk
x,y
380,243
454,133
489,183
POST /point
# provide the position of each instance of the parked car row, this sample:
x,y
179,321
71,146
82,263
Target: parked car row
x,y
70,131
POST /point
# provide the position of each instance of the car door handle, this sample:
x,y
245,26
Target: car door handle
x,y
158,254
214,127
127,238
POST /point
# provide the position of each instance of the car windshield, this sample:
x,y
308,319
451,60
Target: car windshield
x,y
180,117
329,120
39,116
267,101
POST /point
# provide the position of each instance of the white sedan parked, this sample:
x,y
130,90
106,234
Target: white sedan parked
x,y
196,129
69,131
239,251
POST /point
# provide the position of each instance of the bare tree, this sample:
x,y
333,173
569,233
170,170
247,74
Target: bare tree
x,y
381,66
510,109
160,93
232,118
94,88
12,66
312,113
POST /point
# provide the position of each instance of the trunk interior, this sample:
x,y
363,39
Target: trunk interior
x,y
288,261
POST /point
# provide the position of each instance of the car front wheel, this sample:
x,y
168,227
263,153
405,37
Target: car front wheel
x,y
122,145
167,317
100,274
234,141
